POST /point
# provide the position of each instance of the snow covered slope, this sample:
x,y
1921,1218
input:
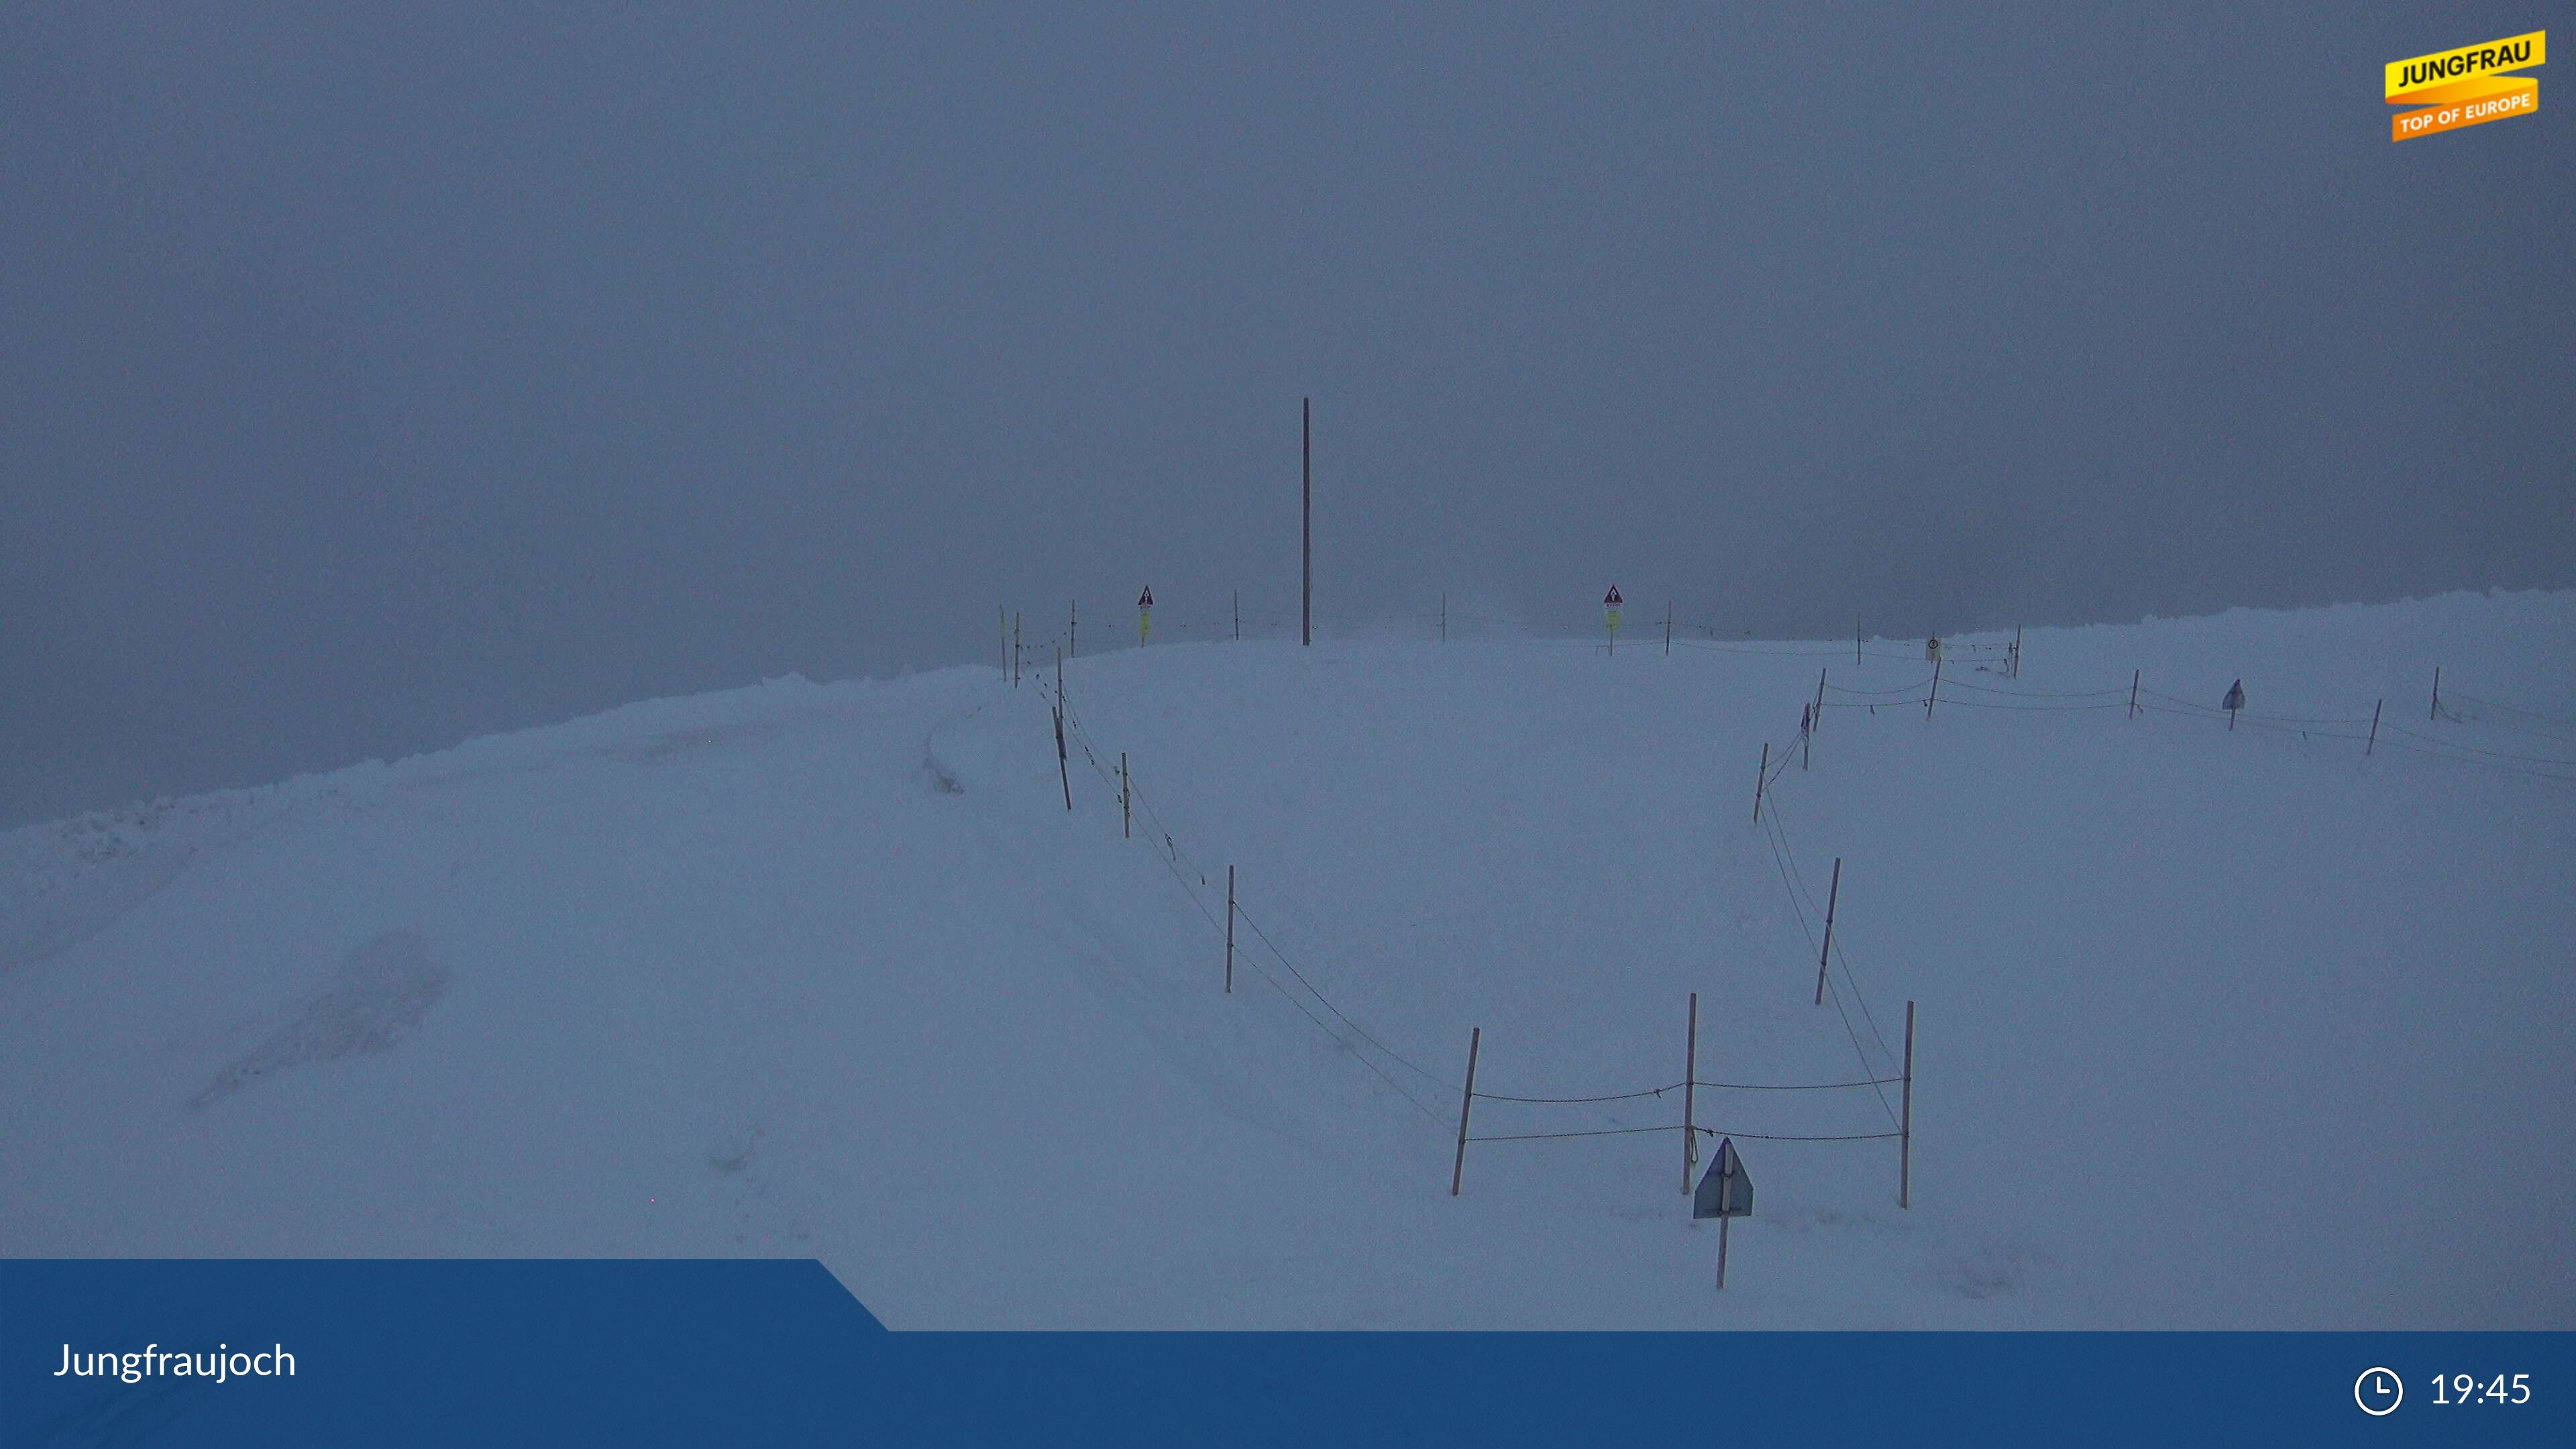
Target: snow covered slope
x,y
2216,1028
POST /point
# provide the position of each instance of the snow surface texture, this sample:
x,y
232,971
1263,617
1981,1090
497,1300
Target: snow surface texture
x,y
2217,1028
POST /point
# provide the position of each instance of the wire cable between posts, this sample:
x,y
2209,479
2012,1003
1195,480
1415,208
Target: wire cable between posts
x,y
1173,862
1858,1053
1677,1086
1703,1131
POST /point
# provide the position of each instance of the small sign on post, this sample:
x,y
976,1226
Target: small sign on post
x,y
1610,605
1725,1194
1145,615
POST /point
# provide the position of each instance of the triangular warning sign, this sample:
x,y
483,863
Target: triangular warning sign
x,y
1612,601
1727,1189
1145,600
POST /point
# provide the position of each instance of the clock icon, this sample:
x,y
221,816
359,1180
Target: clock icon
x,y
2378,1391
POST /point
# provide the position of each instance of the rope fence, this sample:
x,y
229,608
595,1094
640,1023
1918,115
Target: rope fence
x,y
1836,978
1357,1040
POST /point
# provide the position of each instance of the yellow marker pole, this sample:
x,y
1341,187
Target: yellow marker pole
x,y
1144,625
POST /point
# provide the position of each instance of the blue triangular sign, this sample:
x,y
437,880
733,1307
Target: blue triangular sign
x,y
1145,600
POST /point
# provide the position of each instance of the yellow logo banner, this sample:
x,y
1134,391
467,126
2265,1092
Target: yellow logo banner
x,y
2465,87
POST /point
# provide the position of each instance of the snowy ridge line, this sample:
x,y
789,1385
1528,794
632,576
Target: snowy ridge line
x,y
2111,698
1642,632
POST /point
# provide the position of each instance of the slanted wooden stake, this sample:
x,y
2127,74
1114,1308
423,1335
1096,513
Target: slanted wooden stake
x,y
2437,693
2016,654
1833,898
1820,702
2374,726
1935,695
1072,626
2134,676
1690,1075
1015,649
1229,930
1063,777
1761,776
1238,615
1458,1173
1905,1127
1126,830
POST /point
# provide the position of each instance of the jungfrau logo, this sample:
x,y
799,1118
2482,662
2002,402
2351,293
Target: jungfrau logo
x,y
2465,87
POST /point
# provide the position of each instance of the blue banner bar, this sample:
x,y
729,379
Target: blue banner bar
x,y
776,1352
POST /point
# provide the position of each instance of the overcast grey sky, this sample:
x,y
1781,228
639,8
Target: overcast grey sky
x,y
379,376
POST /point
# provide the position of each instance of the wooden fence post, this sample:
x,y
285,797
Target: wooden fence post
x,y
1761,776
1930,699
1126,830
1726,1159
1063,776
1229,930
1690,1080
1833,898
1457,1173
1905,1128
1238,616
1820,699
2436,712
